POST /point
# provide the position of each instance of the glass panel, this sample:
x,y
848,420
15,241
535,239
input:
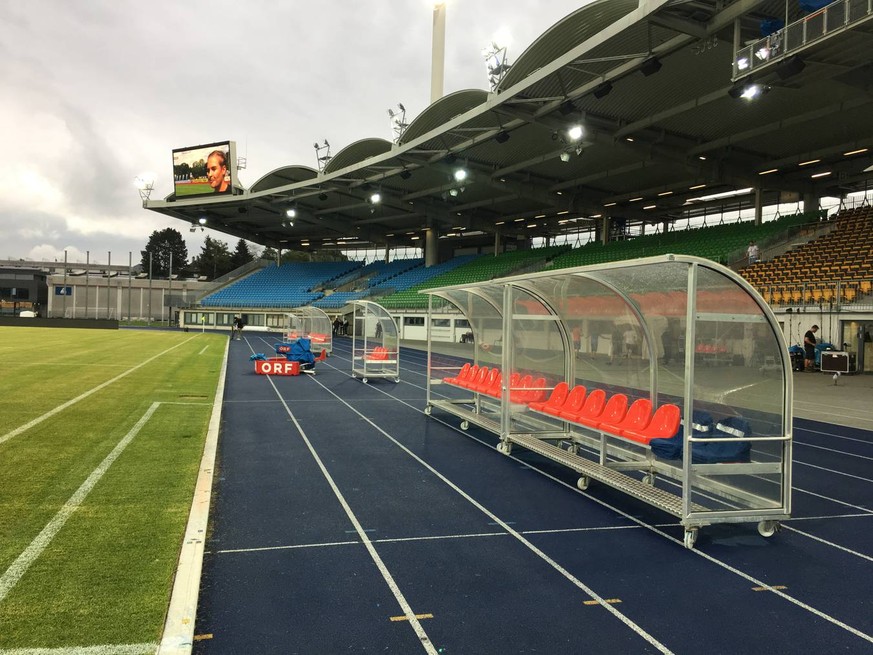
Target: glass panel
x,y
739,390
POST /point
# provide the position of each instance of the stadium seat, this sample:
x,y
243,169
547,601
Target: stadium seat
x,y
574,402
637,418
556,399
664,424
613,411
592,407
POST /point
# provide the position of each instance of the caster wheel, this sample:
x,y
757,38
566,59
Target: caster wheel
x,y
768,528
649,478
396,380
427,410
465,425
583,482
364,380
504,447
690,538
573,449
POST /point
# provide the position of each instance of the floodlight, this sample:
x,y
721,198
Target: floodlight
x,y
375,198
575,133
460,175
202,220
453,192
752,91
565,156
322,196
502,136
291,213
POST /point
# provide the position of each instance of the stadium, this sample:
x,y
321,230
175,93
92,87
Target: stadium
x,y
555,402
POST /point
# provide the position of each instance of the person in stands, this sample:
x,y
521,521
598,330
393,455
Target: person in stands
x,y
753,252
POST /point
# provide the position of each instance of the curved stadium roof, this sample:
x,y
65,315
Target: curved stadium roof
x,y
645,136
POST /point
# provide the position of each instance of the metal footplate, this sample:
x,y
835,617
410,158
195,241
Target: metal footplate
x,y
664,500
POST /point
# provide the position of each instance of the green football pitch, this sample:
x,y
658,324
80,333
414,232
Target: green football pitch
x,y
101,436
192,189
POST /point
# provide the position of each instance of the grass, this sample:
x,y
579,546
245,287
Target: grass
x,y
193,189
106,576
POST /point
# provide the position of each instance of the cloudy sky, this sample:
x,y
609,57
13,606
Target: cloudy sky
x,y
94,93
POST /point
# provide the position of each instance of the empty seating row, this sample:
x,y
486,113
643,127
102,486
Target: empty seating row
x,y
636,422
379,353
523,389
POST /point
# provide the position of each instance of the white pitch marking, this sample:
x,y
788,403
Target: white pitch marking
x,y
203,351
105,649
19,567
69,403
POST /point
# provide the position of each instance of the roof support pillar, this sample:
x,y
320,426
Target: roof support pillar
x,y
431,251
759,204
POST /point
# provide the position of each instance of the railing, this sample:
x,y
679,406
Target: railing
x,y
830,20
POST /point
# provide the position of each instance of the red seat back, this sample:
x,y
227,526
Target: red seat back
x,y
594,405
664,423
614,411
465,370
494,389
537,391
575,400
638,416
485,385
472,373
556,399
517,394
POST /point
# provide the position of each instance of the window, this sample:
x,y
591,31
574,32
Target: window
x,y
413,320
441,322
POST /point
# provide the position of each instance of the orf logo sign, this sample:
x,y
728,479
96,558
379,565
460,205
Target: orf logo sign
x,y
276,367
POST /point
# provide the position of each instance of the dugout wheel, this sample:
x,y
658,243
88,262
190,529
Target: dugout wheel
x,y
364,380
583,482
504,447
428,410
649,479
768,528
573,448
465,425
690,537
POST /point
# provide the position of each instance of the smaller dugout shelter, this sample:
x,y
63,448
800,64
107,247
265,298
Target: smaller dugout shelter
x,y
610,365
310,323
375,342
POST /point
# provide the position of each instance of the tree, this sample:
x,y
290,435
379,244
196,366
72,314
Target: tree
x,y
161,245
214,259
241,256
270,254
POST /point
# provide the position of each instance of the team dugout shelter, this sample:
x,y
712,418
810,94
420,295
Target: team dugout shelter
x,y
684,375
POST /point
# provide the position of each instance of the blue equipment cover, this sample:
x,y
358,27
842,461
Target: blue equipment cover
x,y
297,351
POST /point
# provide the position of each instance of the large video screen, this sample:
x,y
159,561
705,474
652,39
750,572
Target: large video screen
x,y
204,170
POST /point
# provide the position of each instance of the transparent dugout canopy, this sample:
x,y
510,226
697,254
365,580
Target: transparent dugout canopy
x,y
313,324
674,329
375,342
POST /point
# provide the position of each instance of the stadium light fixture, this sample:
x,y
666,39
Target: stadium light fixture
x,y
460,174
565,156
291,213
574,133
145,184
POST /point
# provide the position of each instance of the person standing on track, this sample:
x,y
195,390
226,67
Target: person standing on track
x,y
809,348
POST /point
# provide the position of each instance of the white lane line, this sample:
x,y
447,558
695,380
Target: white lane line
x,y
510,530
19,567
178,634
830,450
822,468
69,403
829,543
104,649
654,529
205,348
438,537
383,569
